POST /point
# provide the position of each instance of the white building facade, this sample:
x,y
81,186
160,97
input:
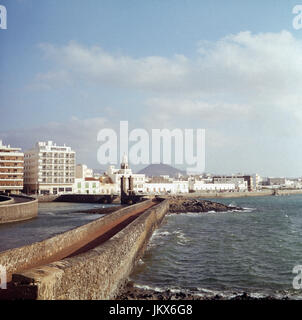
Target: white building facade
x,y
49,169
202,186
86,186
116,174
175,187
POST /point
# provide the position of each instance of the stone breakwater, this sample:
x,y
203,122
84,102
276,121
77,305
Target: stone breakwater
x,y
98,272
182,204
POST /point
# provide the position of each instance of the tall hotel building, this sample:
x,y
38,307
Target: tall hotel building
x,y
11,169
49,169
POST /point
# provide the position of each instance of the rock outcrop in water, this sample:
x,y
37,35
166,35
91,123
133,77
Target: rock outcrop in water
x,y
180,204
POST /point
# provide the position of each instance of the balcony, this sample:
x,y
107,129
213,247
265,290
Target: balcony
x,y
9,161
12,173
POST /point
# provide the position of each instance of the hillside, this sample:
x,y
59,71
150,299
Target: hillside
x,y
161,169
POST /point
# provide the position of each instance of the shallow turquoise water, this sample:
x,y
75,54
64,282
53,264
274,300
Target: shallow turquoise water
x,y
253,251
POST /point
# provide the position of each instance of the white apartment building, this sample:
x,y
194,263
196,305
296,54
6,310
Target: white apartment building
x,y
115,174
93,186
11,169
175,187
49,169
86,186
240,182
201,186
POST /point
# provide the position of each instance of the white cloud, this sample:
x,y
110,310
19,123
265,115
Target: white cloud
x,y
267,62
238,73
96,65
244,86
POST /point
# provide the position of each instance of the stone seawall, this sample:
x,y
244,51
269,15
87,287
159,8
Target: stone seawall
x,y
81,198
47,198
99,273
207,195
86,198
61,245
12,212
288,192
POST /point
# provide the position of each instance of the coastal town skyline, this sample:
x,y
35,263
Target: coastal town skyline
x,y
51,169
101,168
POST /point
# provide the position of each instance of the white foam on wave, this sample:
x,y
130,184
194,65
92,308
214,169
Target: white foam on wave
x,y
157,234
163,234
190,214
140,262
246,209
233,204
146,287
204,292
49,213
181,237
210,293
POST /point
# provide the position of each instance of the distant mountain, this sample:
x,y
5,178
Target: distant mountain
x,y
161,169
101,169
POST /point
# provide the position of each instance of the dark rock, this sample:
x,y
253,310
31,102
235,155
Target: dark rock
x,y
180,204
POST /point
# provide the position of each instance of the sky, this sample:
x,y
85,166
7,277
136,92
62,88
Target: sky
x,y
70,68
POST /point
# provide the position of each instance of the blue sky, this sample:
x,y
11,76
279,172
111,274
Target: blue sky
x,y
69,68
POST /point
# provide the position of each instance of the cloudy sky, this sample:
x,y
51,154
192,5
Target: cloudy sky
x,y
71,68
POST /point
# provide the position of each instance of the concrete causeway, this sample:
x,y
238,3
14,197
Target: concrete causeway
x,y
88,262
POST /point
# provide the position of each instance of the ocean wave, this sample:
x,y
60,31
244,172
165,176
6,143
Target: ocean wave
x,y
140,262
246,209
190,214
146,287
49,213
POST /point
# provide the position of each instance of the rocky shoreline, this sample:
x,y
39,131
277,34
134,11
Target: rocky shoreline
x,y
131,292
181,204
